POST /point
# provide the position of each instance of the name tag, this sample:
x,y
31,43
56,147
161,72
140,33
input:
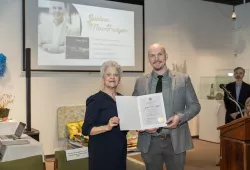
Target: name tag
x,y
78,153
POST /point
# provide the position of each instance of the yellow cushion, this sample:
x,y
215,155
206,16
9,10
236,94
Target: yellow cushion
x,y
80,126
74,128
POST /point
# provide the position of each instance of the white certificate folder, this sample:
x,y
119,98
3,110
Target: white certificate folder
x,y
141,112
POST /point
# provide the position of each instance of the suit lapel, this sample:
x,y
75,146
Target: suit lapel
x,y
148,83
173,78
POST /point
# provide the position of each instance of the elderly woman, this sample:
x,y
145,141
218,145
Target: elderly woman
x,y
107,144
247,107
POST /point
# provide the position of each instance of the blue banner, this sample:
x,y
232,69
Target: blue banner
x,y
2,64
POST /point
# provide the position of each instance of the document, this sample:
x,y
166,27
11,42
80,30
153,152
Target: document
x,y
141,112
78,153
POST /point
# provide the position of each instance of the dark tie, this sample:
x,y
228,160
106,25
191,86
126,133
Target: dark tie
x,y
159,90
159,84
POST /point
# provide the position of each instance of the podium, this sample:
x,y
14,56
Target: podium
x,y
235,145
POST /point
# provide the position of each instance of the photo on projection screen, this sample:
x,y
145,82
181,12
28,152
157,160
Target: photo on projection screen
x,y
79,35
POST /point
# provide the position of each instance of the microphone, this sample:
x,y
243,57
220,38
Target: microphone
x,y
230,97
222,86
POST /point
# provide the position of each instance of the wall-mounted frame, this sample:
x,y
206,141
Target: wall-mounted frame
x,y
91,32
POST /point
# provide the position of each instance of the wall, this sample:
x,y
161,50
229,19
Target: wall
x,y
241,34
193,30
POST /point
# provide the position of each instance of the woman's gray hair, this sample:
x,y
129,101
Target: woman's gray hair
x,y
247,102
110,63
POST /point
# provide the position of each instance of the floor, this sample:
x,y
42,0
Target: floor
x,y
204,156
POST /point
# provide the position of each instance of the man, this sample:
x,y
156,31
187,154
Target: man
x,y
167,145
52,35
240,92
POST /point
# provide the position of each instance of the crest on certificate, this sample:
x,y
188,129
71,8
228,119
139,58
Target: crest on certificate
x,y
160,119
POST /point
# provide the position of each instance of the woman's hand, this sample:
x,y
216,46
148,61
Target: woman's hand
x,y
114,121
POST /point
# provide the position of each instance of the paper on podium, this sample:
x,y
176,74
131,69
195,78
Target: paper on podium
x,y
141,112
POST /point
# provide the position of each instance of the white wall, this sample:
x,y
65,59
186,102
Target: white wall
x,y
192,30
241,34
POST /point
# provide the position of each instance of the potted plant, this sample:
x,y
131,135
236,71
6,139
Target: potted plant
x,y
5,99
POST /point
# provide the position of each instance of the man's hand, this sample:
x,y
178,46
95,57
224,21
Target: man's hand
x,y
234,115
175,121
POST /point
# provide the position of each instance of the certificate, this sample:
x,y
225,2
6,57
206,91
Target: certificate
x,y
141,112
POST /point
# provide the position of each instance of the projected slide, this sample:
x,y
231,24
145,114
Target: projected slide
x,y
82,34
105,34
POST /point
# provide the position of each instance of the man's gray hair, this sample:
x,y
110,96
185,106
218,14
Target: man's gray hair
x,y
110,63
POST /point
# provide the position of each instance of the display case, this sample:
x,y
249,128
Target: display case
x,y
209,86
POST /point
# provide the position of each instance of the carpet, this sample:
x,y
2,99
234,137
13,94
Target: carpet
x,y
131,165
204,156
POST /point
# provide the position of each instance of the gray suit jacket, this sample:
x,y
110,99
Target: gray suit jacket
x,y
185,104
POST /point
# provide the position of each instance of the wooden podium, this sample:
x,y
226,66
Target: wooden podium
x,y
235,145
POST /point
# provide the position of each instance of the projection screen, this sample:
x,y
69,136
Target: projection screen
x,y
79,35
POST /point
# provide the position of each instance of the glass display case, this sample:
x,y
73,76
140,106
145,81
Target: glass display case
x,y
209,86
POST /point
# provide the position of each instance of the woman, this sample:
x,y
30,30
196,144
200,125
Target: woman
x,y
107,144
247,107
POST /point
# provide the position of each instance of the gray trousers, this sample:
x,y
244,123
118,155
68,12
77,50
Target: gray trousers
x,y
161,151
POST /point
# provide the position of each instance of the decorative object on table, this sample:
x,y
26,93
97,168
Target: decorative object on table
x,y
75,137
5,99
180,68
211,94
219,96
78,141
212,90
2,64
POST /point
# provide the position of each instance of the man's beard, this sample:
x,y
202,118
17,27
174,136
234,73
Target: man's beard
x,y
159,68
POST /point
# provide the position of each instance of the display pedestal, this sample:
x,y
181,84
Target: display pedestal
x,y
33,133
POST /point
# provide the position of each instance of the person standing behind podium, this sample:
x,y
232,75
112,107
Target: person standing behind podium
x,y
240,92
167,145
107,144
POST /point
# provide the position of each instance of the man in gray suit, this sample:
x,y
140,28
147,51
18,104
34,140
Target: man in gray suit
x,y
169,144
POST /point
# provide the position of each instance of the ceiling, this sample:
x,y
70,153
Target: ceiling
x,y
229,2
